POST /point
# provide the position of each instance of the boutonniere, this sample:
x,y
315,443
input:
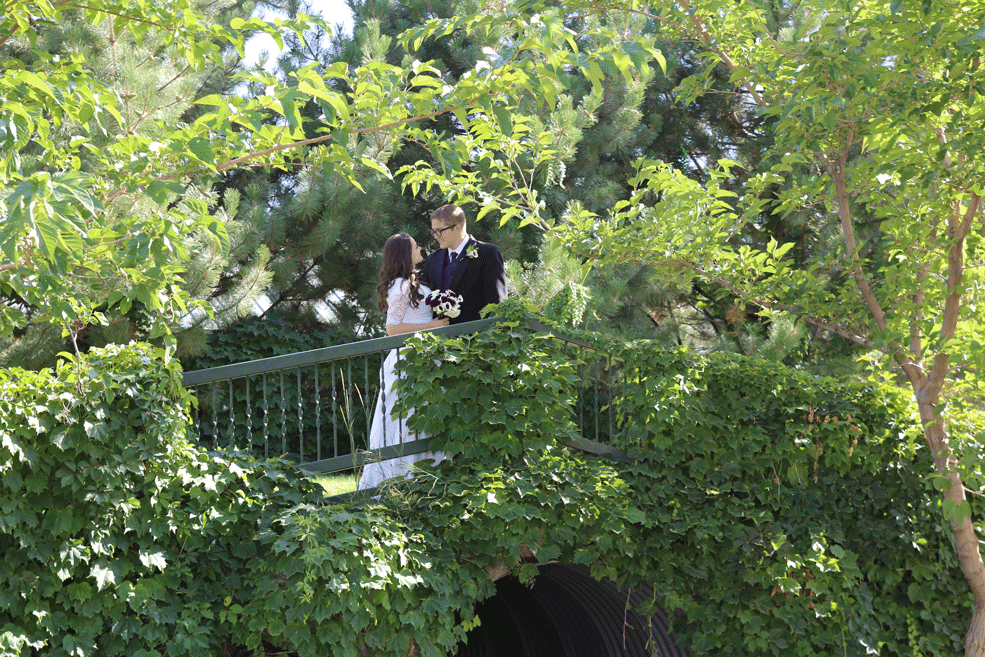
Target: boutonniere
x,y
471,251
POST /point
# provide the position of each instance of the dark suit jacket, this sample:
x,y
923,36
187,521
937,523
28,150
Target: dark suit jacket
x,y
480,280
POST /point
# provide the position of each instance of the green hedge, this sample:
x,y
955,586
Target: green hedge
x,y
779,513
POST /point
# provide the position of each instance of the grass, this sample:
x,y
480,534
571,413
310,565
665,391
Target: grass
x,y
338,483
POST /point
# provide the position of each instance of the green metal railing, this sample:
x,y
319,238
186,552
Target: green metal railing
x,y
315,407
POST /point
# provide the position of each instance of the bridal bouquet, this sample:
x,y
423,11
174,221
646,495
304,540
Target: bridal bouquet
x,y
444,303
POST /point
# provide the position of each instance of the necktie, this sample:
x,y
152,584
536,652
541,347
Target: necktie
x,y
450,269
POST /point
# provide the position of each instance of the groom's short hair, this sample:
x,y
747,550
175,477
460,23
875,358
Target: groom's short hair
x,y
449,215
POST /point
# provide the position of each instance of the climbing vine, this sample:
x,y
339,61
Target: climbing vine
x,y
118,536
762,506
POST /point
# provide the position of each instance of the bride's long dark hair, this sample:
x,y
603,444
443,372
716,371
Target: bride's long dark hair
x,y
398,263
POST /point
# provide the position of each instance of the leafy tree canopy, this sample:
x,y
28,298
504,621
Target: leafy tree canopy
x,y
98,195
877,114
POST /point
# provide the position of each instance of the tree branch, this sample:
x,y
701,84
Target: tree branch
x,y
722,55
837,172
770,305
283,147
135,19
957,232
708,316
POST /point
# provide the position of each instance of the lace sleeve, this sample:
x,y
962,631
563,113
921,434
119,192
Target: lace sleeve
x,y
397,301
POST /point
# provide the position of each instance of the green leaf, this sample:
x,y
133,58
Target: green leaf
x,y
661,60
504,119
103,575
202,150
291,113
153,559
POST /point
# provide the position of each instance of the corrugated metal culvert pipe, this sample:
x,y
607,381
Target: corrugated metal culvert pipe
x,y
567,614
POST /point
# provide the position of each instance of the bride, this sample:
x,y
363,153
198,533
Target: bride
x,y
402,301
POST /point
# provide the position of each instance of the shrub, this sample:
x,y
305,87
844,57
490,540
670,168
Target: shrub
x,y
777,513
786,514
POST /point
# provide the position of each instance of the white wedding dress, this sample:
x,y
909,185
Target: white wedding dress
x,y
386,430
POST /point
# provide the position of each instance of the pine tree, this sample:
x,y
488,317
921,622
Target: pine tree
x,y
597,134
323,234
638,300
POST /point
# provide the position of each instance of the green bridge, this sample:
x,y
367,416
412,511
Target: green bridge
x,y
315,409
602,497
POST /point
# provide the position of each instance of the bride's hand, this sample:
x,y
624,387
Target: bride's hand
x,y
438,323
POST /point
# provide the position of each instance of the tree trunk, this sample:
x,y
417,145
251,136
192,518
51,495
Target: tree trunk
x,y
965,538
974,643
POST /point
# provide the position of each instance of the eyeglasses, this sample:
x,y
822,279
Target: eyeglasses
x,y
437,233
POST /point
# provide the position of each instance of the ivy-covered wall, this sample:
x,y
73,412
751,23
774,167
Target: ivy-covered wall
x,y
781,514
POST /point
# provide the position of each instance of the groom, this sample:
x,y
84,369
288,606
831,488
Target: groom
x,y
464,265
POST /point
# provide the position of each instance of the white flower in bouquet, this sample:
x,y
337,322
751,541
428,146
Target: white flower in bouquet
x,y
444,303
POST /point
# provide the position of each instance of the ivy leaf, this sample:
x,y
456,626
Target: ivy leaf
x,y
103,574
153,559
